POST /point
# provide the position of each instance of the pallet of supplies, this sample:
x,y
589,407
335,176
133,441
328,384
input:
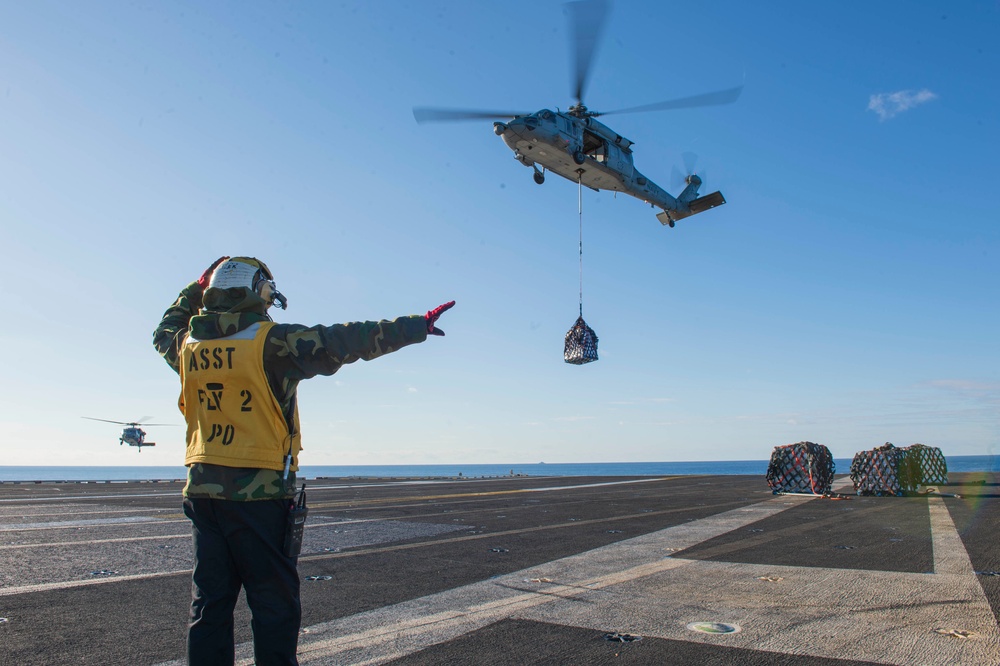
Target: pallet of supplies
x,y
805,467
581,343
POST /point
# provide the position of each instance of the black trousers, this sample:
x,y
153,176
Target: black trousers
x,y
241,544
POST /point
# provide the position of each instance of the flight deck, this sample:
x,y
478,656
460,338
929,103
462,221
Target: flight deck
x,y
529,570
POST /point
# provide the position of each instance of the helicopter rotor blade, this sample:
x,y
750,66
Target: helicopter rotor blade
x,y
90,418
586,21
427,114
677,179
717,98
690,161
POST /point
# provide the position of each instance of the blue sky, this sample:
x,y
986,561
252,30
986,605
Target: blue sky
x,y
846,294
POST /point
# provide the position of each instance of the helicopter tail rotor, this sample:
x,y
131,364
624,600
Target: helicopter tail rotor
x,y
687,178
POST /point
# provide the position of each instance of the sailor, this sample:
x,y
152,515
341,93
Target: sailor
x,y
239,375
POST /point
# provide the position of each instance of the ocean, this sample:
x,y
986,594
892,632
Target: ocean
x,y
752,467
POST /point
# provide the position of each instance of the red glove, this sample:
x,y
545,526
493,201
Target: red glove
x,y
432,316
206,277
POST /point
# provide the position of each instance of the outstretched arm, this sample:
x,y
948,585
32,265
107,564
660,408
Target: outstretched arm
x,y
296,352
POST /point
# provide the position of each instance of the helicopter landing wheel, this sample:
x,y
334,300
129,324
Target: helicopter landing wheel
x,y
579,157
539,177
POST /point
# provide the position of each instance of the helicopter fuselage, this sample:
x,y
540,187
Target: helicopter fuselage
x,y
581,149
134,436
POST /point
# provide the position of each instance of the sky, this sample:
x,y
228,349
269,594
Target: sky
x,y
846,294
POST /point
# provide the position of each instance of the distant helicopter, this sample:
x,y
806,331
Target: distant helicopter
x,y
132,434
575,146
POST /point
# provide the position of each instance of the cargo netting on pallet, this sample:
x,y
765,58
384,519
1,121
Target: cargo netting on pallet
x,y
805,467
890,470
581,343
920,465
876,472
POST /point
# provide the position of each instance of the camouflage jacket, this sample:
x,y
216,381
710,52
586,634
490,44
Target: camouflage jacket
x,y
292,353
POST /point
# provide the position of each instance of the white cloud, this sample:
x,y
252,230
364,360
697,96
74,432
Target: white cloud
x,y
887,105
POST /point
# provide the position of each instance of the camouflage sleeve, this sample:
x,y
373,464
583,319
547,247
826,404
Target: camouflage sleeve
x,y
294,352
170,333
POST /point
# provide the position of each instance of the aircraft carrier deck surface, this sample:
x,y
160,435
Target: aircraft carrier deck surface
x,y
529,570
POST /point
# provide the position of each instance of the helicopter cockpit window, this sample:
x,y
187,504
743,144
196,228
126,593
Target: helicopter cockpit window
x,y
531,121
545,114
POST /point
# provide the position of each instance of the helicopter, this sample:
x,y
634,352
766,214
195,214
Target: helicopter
x,y
132,434
575,145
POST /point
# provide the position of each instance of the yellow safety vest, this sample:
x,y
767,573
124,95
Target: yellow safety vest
x,y
233,418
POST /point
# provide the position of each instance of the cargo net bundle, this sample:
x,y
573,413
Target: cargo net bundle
x,y
889,470
805,467
876,472
581,343
921,465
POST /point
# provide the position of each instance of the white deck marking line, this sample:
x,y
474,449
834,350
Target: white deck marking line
x,y
96,523
62,585
85,522
67,498
950,556
93,542
186,534
596,485
7,512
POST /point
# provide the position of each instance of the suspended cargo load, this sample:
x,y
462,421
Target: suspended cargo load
x,y
876,472
581,341
805,467
920,465
581,344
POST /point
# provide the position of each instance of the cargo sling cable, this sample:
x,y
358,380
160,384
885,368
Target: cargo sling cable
x,y
579,211
581,341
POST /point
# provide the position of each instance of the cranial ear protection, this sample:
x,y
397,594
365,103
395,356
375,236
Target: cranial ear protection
x,y
263,285
248,272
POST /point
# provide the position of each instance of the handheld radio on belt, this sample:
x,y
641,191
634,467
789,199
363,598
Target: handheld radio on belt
x,y
296,524
297,511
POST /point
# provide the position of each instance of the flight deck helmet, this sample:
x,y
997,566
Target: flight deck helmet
x,y
249,273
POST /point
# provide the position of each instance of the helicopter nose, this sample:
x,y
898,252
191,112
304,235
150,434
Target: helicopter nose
x,y
499,128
